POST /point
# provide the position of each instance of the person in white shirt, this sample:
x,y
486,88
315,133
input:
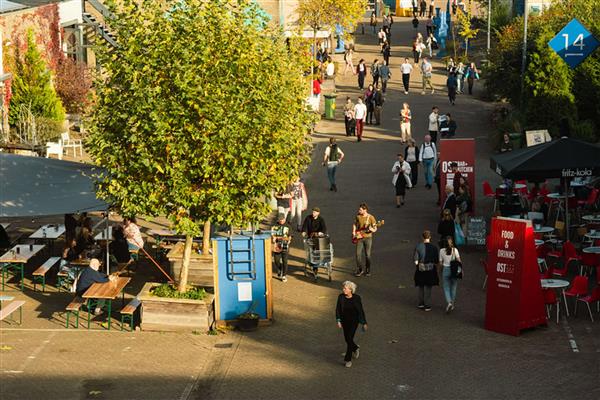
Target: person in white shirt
x,y
132,234
401,179
448,254
426,70
406,68
332,158
360,113
405,118
427,157
434,123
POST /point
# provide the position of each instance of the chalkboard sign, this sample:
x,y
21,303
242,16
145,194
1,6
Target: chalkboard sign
x,y
476,231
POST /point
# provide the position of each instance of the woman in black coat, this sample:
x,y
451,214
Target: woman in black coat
x,y
426,259
445,227
349,313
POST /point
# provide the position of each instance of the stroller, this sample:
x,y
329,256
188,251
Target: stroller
x,y
319,255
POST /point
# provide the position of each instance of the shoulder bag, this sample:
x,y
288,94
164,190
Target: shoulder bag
x,y
455,267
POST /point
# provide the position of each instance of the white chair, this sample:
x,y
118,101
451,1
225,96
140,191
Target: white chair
x,y
74,144
55,148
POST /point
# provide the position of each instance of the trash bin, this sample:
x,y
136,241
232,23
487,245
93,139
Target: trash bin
x,y
386,10
517,139
330,106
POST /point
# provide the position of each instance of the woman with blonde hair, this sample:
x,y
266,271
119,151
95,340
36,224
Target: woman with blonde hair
x,y
448,254
348,314
411,156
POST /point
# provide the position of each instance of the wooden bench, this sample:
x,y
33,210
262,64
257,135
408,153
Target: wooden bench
x,y
73,308
127,313
39,275
11,308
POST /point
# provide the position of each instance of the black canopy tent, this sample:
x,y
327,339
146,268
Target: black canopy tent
x,y
35,186
562,158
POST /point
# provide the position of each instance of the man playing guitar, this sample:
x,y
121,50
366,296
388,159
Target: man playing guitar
x,y
362,232
280,237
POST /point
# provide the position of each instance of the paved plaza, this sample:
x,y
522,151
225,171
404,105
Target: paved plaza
x,y
405,354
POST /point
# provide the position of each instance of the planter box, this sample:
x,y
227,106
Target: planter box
x,y
201,271
166,314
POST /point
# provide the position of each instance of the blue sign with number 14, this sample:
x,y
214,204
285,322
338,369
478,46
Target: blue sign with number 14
x,y
574,43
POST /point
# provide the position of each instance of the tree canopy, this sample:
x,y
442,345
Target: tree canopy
x,y
200,112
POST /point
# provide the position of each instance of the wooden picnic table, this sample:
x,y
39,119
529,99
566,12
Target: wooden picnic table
x,y
50,232
104,234
17,257
106,291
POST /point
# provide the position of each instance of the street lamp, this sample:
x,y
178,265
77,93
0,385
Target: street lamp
x,y
524,58
489,25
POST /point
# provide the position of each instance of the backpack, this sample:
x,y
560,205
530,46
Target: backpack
x,y
374,70
333,152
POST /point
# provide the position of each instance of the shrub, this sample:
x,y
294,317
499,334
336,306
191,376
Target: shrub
x,y
169,291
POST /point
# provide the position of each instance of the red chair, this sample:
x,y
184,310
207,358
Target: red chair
x,y
550,299
544,190
594,297
524,191
579,288
591,199
489,193
589,261
569,255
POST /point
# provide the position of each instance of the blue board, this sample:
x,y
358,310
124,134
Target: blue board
x,y
228,288
574,43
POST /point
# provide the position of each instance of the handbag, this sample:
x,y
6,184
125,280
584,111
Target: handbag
x,y
459,236
455,268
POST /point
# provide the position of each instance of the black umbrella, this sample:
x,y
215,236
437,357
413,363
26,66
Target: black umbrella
x,y
563,158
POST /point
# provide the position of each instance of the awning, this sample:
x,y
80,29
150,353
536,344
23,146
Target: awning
x,y
34,186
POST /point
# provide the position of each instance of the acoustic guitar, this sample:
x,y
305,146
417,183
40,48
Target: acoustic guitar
x,y
359,232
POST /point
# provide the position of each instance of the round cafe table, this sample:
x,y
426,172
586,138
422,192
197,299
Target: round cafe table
x,y
558,284
516,186
539,242
558,196
543,229
592,250
591,218
592,235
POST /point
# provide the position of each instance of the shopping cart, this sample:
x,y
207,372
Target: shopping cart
x,y
319,255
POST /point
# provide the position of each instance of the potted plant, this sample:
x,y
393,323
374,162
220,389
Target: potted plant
x,y
248,321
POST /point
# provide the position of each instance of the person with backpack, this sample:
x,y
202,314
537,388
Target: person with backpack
x,y
332,158
427,155
426,275
385,75
375,71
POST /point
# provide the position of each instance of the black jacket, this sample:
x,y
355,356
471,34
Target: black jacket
x,y
87,278
450,204
339,308
312,225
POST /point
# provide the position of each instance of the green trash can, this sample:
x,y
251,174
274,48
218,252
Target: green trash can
x,y
330,106
386,10
517,139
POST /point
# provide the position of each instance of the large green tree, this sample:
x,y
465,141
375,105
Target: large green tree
x,y
199,115
32,86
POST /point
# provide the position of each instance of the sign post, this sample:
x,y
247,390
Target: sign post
x,y
514,295
462,152
574,43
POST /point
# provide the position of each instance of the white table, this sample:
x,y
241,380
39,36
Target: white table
x,y
591,218
50,232
543,229
17,257
592,250
557,284
516,186
592,236
539,242
558,196
104,234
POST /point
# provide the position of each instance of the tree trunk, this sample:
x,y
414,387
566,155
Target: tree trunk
x,y
185,264
206,239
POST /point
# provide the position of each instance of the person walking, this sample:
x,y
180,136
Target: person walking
x,y
411,155
405,118
387,51
460,76
349,313
415,51
362,232
406,68
332,158
427,157
434,123
385,74
378,101
445,227
430,44
348,54
375,71
299,202
370,104
401,179
429,26
360,114
284,201
280,237
451,84
426,276
382,37
349,122
423,8
373,22
471,74
361,72
426,70
431,8
448,254
450,201
386,25
438,178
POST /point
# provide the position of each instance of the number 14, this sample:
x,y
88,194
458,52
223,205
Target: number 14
x,y
578,42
